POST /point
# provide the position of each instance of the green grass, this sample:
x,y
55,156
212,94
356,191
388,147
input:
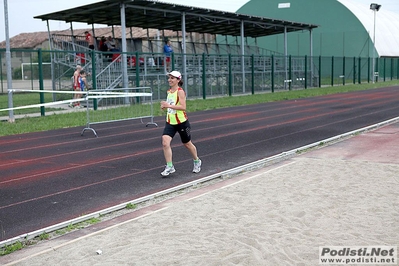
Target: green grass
x,y
24,99
131,206
78,226
8,249
56,121
48,122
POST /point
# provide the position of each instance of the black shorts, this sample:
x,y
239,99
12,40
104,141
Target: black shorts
x,y
183,129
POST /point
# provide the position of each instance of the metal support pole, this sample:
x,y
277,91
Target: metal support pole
x,y
73,37
124,44
52,58
11,118
183,30
375,7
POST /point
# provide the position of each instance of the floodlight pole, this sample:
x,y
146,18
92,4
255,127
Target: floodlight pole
x,y
11,118
375,7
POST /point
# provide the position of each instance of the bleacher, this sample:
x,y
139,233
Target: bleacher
x,y
145,62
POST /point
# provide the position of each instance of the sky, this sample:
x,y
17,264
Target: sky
x,y
21,12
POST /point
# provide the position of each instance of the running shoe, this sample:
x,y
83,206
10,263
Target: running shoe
x,y
168,170
197,166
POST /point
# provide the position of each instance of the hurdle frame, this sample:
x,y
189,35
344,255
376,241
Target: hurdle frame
x,y
96,96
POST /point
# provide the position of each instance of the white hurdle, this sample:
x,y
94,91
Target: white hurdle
x,y
104,106
54,103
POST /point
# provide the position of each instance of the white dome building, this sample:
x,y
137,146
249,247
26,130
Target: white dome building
x,y
346,27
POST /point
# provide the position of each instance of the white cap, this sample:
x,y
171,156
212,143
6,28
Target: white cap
x,y
176,74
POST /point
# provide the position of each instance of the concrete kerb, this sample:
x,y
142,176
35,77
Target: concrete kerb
x,y
169,193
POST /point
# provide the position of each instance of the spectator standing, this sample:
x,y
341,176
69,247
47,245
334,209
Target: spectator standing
x,y
167,50
76,86
111,45
90,40
83,81
103,45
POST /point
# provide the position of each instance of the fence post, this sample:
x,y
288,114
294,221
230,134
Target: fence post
x,y
385,67
40,59
203,77
368,70
272,73
391,69
253,74
138,69
93,67
343,71
1,71
354,70
171,58
332,71
319,71
377,70
306,72
397,69
359,76
289,72
94,78
230,77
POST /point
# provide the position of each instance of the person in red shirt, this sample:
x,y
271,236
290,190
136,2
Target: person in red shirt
x,y
76,86
90,40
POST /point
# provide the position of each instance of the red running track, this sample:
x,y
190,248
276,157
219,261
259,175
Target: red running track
x,y
53,176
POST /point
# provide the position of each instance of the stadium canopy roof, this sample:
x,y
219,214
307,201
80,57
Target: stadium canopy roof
x,y
165,16
148,14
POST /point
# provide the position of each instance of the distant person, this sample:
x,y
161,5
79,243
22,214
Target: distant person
x,y
83,81
76,86
177,122
167,50
151,62
111,45
103,45
90,40
117,46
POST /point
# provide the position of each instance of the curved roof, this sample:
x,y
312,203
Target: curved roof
x,y
345,27
387,26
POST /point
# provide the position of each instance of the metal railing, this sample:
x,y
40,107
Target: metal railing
x,y
205,75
